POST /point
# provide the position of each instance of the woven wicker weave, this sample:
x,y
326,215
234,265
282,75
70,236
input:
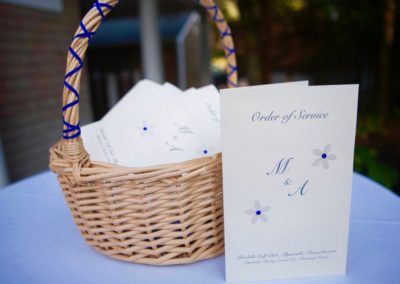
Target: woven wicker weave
x,y
166,214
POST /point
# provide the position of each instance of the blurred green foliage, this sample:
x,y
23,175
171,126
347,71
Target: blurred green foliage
x,y
366,162
367,157
372,124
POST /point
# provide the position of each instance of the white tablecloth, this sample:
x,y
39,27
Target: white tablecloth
x,y
40,244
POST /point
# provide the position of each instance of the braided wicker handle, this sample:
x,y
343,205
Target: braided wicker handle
x,y
77,50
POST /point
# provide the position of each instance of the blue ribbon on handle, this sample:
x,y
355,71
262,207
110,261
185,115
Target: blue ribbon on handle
x,y
229,50
75,128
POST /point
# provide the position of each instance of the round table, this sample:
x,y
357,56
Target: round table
x,y
39,242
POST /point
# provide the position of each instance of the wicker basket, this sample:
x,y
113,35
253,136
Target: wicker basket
x,y
166,214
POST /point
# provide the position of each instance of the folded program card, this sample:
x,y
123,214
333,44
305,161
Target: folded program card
x,y
287,176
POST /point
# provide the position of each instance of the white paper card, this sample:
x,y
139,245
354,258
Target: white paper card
x,y
287,176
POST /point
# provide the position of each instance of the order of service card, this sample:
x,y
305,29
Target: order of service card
x,y
287,176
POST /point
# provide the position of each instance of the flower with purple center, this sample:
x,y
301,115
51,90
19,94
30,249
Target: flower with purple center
x,y
324,157
146,129
205,150
258,213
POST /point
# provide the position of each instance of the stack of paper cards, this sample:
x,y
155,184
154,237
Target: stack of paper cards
x,y
157,124
287,177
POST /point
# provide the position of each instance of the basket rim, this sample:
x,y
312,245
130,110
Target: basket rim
x,y
145,168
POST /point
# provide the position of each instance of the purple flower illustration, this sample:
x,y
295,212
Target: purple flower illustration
x,y
205,150
146,129
258,213
324,157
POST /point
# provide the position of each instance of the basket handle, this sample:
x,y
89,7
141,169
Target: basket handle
x,y
86,30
